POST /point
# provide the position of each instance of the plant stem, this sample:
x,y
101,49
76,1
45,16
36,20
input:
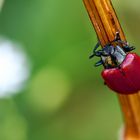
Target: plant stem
x,y
106,24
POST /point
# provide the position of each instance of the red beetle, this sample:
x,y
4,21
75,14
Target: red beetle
x,y
122,68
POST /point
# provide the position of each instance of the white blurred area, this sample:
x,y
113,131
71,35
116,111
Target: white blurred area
x,y
1,4
121,133
14,68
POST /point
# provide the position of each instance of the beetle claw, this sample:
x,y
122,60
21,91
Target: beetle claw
x,y
128,49
132,48
98,63
91,56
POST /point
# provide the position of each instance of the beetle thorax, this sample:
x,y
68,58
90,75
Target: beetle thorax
x,y
112,56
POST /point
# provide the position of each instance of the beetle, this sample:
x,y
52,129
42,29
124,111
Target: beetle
x,y
121,67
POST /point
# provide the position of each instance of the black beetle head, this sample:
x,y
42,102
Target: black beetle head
x,y
112,56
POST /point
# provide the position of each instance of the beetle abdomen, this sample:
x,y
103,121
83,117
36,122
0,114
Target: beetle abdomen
x,y
126,78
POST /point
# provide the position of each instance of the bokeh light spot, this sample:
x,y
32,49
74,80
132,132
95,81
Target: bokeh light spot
x,y
1,4
13,126
49,90
14,68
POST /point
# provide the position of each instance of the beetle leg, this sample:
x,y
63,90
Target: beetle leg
x,y
123,42
132,48
96,53
96,47
98,63
118,39
91,56
117,36
126,46
128,49
99,53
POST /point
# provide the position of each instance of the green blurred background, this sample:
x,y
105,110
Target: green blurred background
x,y
64,97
